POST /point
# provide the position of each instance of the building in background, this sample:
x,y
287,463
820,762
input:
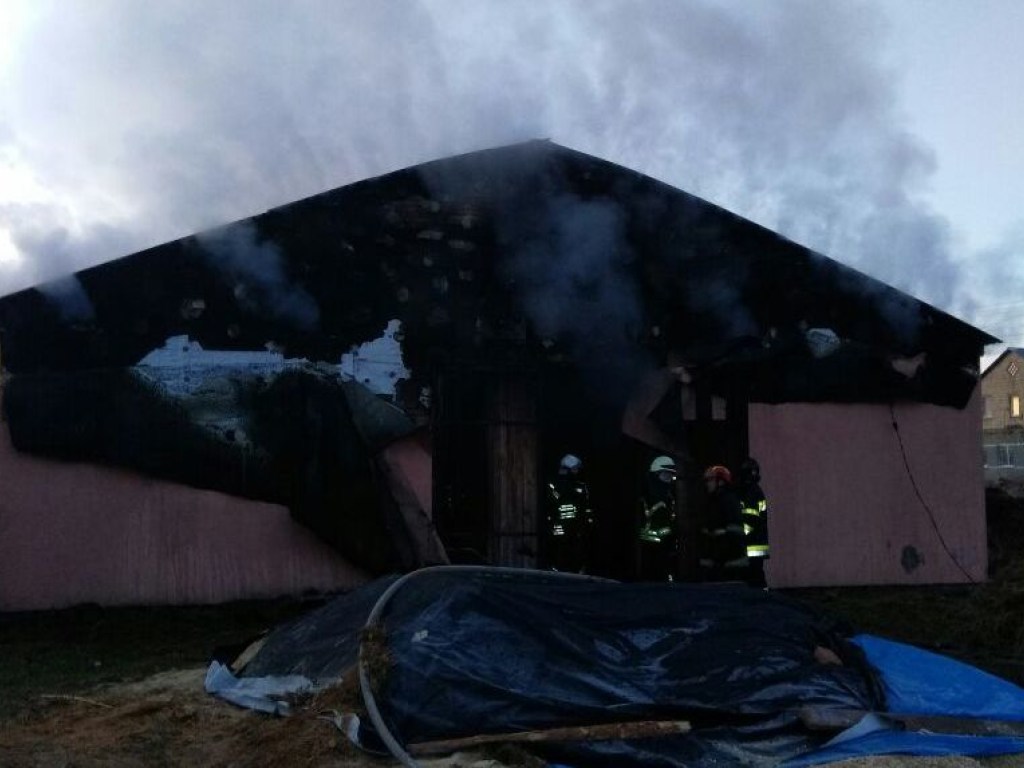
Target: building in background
x,y
375,378
1002,390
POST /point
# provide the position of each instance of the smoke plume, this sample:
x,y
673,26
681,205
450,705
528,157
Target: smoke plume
x,y
158,120
255,271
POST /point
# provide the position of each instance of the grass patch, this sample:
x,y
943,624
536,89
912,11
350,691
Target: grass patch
x,y
70,651
982,624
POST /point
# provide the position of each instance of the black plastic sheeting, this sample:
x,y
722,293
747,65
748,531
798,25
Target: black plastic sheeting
x,y
323,644
479,652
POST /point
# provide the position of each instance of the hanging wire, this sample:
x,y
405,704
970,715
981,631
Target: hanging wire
x,y
920,498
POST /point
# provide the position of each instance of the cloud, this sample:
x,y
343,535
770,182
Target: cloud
x,y
158,120
52,244
999,287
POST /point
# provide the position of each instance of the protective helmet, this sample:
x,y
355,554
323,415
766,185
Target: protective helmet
x,y
570,463
718,472
750,471
663,464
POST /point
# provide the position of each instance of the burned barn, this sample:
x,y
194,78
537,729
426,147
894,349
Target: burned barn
x,y
385,376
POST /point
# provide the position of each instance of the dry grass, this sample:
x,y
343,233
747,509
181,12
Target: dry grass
x,y
375,656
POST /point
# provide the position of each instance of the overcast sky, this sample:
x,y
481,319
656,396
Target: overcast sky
x,y
884,133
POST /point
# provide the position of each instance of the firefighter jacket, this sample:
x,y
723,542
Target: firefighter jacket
x,y
724,540
658,509
567,508
755,520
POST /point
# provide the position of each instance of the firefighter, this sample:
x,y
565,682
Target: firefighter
x,y
657,535
725,553
755,520
569,518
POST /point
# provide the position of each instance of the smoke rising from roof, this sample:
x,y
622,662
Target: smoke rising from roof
x,y
569,262
255,272
778,112
69,297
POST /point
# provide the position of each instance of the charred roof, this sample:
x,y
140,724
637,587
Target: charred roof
x,y
528,249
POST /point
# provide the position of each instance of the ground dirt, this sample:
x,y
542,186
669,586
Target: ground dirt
x,y
123,688
168,720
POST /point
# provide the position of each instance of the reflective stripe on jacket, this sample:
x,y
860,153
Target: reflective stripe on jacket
x,y
755,527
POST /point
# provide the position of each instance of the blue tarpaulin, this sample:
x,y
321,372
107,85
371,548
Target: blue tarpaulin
x,y
922,683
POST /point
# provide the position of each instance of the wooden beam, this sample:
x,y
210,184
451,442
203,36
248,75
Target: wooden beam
x,y
829,719
514,465
605,732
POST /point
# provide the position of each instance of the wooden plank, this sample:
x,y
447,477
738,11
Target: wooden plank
x,y
829,719
605,732
513,449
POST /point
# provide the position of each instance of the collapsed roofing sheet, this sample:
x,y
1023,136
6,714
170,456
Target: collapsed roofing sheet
x,y
460,651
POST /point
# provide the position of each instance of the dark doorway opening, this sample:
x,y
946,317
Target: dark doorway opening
x,y
501,432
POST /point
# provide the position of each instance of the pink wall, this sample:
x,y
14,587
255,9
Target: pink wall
x,y
408,470
842,507
73,533
842,511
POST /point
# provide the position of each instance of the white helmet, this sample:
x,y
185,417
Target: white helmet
x,y
570,463
663,464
